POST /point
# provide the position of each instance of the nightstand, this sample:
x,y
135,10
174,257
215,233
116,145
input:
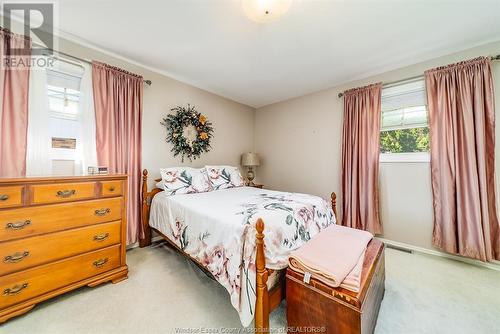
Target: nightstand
x,y
256,186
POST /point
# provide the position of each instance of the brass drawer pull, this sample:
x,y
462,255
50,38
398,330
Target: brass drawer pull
x,y
101,237
100,263
66,193
15,290
6,197
111,188
18,225
102,212
17,257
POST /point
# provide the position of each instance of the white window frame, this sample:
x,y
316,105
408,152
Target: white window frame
x,y
63,115
405,157
63,154
408,157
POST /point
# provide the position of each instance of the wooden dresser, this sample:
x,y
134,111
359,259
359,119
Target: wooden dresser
x,y
58,234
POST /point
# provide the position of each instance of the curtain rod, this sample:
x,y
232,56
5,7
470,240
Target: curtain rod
x,y
147,82
497,57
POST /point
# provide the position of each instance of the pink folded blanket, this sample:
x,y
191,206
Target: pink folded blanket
x,y
335,257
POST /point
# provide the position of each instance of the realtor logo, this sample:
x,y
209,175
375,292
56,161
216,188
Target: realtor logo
x,y
38,22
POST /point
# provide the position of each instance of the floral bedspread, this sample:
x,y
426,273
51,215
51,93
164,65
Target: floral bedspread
x,y
217,228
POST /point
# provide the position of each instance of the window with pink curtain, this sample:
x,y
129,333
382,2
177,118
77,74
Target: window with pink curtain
x,y
360,158
462,128
118,99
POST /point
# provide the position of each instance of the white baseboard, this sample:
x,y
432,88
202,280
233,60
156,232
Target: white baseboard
x,y
136,244
495,265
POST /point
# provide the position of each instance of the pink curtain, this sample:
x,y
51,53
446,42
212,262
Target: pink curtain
x,y
360,158
462,128
118,108
14,83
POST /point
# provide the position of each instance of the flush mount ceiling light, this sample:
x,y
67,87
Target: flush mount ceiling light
x,y
265,10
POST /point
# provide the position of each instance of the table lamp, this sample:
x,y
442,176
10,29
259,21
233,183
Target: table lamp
x,y
250,160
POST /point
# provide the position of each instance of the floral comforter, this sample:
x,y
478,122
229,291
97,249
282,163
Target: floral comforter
x,y
217,228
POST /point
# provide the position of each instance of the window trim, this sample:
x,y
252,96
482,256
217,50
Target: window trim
x,y
405,125
405,157
61,114
416,84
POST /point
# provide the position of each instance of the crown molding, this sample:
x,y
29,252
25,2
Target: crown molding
x,y
85,43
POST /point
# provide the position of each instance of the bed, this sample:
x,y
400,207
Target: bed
x,y
223,232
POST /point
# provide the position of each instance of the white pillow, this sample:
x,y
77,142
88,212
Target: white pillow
x,y
184,180
224,177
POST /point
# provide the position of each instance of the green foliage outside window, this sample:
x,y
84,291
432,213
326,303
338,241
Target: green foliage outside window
x,y
405,140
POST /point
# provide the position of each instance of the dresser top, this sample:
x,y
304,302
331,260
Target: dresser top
x,y
58,178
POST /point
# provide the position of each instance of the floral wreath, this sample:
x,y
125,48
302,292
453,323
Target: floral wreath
x,y
189,131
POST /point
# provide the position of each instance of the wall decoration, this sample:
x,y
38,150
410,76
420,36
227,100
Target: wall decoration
x,y
189,132
69,143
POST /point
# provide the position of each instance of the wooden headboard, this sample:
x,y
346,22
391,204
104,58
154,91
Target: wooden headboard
x,y
146,198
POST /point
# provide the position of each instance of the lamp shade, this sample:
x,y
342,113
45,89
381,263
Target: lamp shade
x,y
250,159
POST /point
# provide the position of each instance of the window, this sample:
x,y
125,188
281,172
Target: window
x,y
404,132
61,120
63,91
63,101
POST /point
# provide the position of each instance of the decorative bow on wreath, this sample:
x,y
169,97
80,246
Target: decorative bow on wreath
x,y
189,132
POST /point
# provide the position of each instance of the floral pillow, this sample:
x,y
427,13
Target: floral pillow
x,y
224,177
184,180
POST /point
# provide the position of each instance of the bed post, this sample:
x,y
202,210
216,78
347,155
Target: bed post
x,y
334,205
262,302
145,211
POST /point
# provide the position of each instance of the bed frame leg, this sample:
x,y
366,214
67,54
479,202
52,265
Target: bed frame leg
x,y
334,205
146,241
262,302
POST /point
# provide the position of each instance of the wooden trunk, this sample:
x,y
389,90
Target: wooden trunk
x,y
337,310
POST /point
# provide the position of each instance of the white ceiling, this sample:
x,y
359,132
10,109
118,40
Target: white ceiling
x,y
318,44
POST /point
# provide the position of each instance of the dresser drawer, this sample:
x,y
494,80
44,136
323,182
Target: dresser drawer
x,y
62,192
111,188
11,196
20,254
21,286
30,221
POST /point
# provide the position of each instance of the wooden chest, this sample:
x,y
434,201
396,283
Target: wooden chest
x,y
336,310
58,234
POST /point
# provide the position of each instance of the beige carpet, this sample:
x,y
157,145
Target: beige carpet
x,y
165,291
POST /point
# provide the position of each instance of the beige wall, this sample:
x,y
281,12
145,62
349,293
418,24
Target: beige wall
x,y
300,139
233,122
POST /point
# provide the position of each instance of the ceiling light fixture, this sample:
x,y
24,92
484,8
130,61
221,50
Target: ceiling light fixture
x,y
265,10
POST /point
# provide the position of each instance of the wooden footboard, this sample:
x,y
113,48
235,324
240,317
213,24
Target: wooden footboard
x,y
262,302
266,300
